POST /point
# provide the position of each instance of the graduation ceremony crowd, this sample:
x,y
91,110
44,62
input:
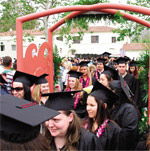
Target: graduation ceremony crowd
x,y
96,105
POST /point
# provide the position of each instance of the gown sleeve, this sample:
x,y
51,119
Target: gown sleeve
x,y
89,141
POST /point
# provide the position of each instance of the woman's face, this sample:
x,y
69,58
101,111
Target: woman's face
x,y
17,90
91,107
103,80
84,70
132,69
44,88
58,126
72,82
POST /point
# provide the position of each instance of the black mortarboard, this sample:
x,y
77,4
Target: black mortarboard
x,y
2,80
61,101
41,79
110,71
106,54
101,60
121,60
75,74
127,58
24,78
133,63
121,85
21,119
103,93
84,63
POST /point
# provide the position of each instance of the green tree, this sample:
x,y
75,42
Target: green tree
x,y
133,29
143,64
11,9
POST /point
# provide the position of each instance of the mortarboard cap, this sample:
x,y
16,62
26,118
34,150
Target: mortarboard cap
x,y
41,79
106,54
127,58
110,71
2,80
121,60
75,74
101,60
21,119
84,63
133,63
61,101
103,93
121,85
24,78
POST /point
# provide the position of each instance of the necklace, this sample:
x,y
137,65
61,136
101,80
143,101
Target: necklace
x,y
87,81
101,128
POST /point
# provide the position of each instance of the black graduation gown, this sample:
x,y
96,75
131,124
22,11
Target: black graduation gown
x,y
127,118
93,82
130,79
111,137
87,142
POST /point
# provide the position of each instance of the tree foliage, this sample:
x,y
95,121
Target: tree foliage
x,y
13,9
143,64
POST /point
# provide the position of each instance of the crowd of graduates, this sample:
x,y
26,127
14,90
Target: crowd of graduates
x,y
96,105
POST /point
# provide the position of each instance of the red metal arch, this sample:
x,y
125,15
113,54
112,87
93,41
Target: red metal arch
x,y
77,10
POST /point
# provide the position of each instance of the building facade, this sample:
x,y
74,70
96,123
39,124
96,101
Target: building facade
x,y
96,40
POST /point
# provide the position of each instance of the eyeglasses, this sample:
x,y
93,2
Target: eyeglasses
x,y
17,89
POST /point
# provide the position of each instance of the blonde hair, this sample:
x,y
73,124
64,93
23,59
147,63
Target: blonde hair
x,y
68,65
37,94
92,67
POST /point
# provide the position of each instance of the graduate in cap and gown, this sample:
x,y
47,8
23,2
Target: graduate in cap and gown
x,y
99,68
21,85
122,70
108,75
106,55
20,124
125,114
99,101
133,69
41,87
64,132
80,97
86,79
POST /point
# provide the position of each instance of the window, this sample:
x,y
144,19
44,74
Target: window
x,y
59,38
113,39
76,40
94,39
2,47
13,47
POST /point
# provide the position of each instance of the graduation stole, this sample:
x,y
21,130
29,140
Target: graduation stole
x,y
76,98
96,74
87,81
101,128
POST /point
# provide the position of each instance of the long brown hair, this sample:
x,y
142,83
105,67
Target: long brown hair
x,y
135,73
101,115
73,133
39,143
